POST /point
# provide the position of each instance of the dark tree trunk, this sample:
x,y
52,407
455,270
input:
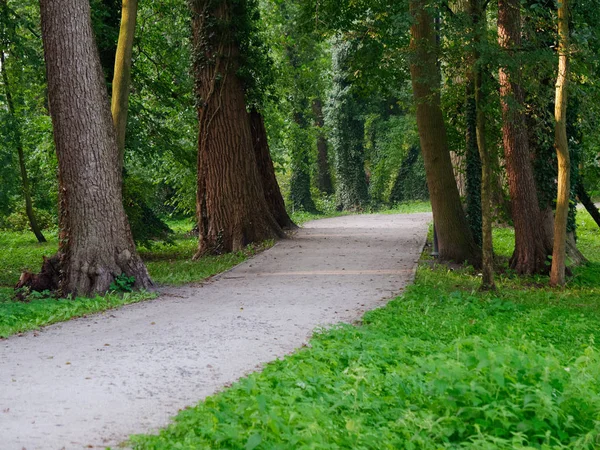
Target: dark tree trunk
x,y
531,252
267,172
95,239
324,183
231,206
455,240
300,195
476,11
19,143
587,202
347,133
472,160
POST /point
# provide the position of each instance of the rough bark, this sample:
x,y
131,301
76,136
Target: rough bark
x,y
530,254
19,144
324,183
231,206
455,240
267,172
587,202
122,73
557,272
95,239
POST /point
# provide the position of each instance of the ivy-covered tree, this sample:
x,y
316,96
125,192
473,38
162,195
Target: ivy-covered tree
x,y
345,119
231,208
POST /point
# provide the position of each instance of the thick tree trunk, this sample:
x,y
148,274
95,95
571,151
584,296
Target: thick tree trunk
x,y
587,202
530,255
324,183
231,206
122,73
557,273
95,239
267,172
455,240
19,144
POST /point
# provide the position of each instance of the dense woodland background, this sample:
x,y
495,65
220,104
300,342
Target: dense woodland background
x,y
338,86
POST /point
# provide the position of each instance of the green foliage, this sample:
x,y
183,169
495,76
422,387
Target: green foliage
x,y
444,366
145,224
344,116
41,310
122,283
18,220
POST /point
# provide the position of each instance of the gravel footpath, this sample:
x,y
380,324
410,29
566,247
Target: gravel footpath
x,y
92,382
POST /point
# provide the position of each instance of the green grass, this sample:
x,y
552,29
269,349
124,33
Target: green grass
x,y
16,317
442,367
301,217
167,264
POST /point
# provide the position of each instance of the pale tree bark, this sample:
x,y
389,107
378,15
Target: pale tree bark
x,y
95,238
557,273
455,240
122,74
231,206
530,254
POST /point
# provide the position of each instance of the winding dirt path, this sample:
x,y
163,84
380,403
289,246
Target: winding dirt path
x,y
92,382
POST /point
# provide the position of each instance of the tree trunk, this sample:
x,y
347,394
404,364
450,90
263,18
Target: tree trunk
x,y
472,157
455,240
19,144
347,132
478,19
324,183
557,273
587,202
300,195
530,254
122,73
231,206
267,172
95,239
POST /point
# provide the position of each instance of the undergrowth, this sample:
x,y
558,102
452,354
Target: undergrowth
x,y
442,367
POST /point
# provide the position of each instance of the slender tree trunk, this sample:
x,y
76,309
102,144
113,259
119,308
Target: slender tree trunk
x,y
300,195
472,157
122,73
267,171
557,273
478,20
95,239
19,144
455,239
324,183
530,253
587,202
231,206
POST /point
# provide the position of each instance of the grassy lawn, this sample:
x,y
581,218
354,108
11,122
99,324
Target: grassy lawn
x,y
442,367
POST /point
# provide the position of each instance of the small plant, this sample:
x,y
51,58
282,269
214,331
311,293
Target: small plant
x,y
122,283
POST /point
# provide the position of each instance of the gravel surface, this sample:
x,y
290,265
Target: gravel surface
x,y
92,382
